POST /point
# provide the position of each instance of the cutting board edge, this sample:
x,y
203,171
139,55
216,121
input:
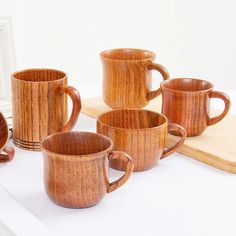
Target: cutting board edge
x,y
208,159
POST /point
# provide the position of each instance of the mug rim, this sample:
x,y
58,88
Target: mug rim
x,y
38,69
102,54
89,156
130,129
6,141
163,85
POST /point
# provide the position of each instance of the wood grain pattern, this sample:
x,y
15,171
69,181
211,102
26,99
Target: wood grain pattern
x,y
39,100
127,77
214,147
76,168
185,101
140,133
6,150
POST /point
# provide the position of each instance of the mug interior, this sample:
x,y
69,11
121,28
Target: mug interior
x,y
76,143
3,131
128,54
132,119
187,84
39,75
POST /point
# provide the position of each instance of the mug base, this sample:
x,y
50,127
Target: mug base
x,y
30,146
71,205
127,106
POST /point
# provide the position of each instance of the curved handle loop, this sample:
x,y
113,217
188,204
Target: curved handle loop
x,y
129,169
10,153
183,134
165,74
76,101
226,99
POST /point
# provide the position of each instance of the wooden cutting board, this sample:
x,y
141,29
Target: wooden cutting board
x,y
215,147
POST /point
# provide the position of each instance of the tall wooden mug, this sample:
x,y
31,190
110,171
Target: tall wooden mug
x,y
39,100
127,77
6,150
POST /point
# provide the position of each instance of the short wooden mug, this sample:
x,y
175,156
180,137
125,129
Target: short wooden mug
x,y
140,133
76,166
39,100
127,77
6,150
185,101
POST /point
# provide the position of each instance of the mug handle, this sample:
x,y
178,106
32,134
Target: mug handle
x,y
165,75
10,153
175,127
226,99
129,169
76,101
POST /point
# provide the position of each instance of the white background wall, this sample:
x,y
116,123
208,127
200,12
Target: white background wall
x,y
191,38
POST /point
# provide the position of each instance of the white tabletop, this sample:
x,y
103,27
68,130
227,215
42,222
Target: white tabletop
x,y
180,197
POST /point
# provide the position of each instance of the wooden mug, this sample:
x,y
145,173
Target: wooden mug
x,y
140,133
185,101
39,100
6,150
127,77
76,168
